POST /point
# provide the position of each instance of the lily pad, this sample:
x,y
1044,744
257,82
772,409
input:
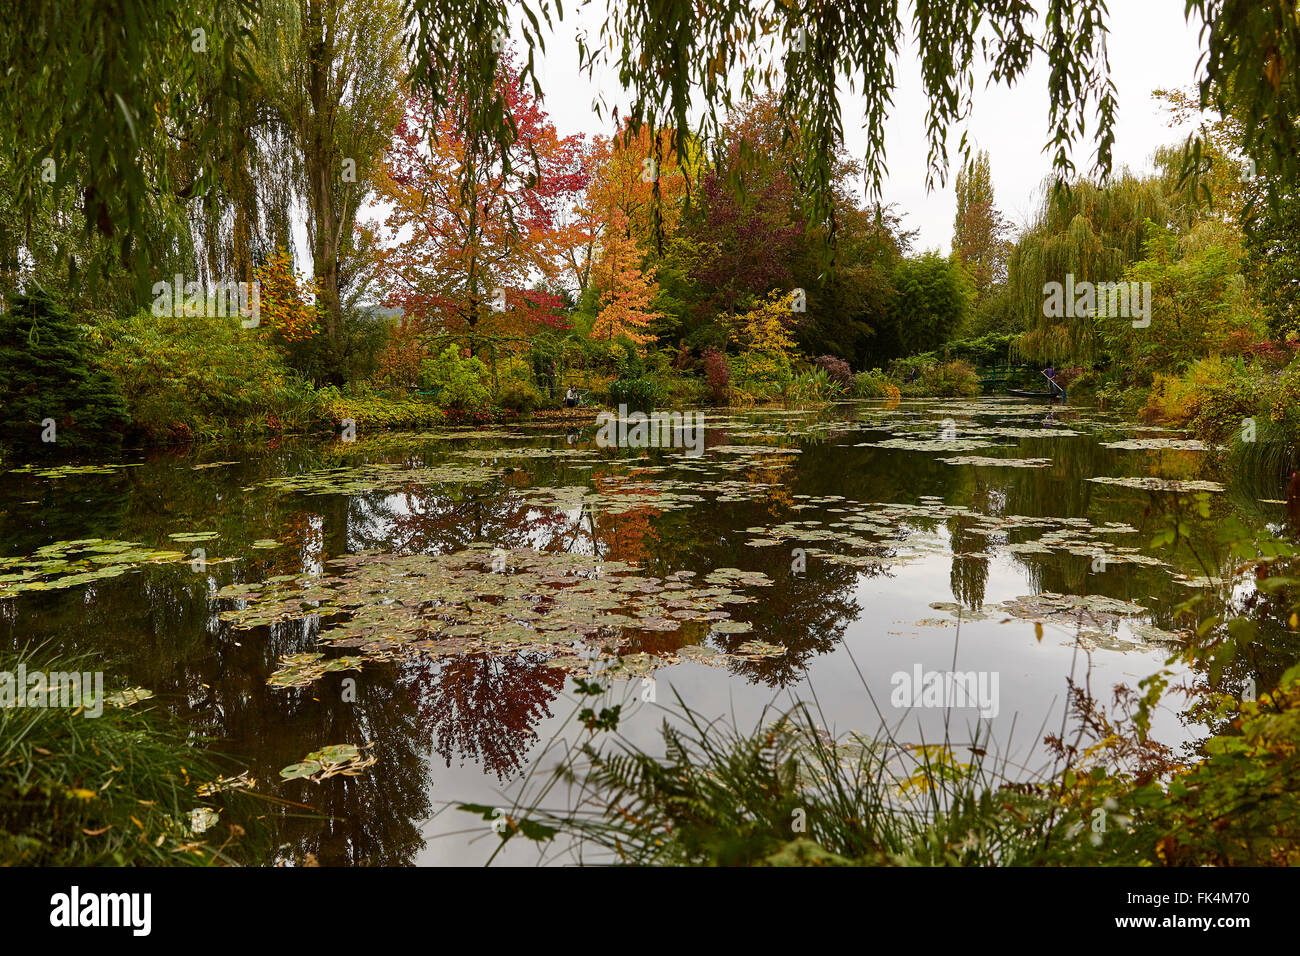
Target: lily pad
x,y
1161,484
335,760
128,697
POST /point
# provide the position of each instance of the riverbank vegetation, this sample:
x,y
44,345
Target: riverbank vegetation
x,y
111,782
631,267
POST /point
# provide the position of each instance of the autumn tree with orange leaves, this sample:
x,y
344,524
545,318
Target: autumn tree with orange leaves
x,y
636,167
626,291
634,202
470,231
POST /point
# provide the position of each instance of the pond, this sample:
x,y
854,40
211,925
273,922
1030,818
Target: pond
x,y
431,597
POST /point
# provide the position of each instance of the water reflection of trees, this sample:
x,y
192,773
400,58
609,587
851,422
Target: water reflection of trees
x,y
969,574
161,622
373,818
483,709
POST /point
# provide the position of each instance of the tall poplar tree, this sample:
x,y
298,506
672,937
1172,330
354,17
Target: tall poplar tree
x,y
979,232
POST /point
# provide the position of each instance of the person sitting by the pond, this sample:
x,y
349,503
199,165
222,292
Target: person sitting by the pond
x,y
570,398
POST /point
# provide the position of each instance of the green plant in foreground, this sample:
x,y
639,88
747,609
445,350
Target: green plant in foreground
x,y
790,794
118,789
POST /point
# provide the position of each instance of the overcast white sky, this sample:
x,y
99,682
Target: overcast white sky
x,y
1151,46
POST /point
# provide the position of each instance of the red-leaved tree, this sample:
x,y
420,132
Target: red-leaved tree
x,y
471,230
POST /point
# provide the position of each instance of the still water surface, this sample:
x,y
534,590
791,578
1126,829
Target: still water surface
x,y
466,576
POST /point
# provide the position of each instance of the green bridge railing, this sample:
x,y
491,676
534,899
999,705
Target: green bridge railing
x,y
994,375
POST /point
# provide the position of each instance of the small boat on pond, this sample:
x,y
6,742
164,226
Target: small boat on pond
x,y
1054,392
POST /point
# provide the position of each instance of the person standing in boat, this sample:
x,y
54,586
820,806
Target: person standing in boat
x,y
1056,389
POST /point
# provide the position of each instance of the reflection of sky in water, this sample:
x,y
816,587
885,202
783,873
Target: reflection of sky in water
x,y
464,729
1032,684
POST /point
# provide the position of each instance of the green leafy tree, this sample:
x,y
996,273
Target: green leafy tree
x,y
848,307
766,347
1092,232
1221,187
933,297
1272,264
1198,306
996,314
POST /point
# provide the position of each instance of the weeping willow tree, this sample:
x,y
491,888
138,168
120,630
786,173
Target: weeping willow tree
x,y
248,214
47,251
105,89
215,170
335,77
322,95
1091,232
123,109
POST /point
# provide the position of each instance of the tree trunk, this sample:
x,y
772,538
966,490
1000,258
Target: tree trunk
x,y
319,159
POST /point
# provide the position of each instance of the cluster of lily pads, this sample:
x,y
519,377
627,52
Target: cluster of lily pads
x,y
332,761
128,697
300,670
894,533
383,476
929,444
1092,619
1160,484
70,471
985,462
1148,444
66,564
621,494
525,451
617,494
576,611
